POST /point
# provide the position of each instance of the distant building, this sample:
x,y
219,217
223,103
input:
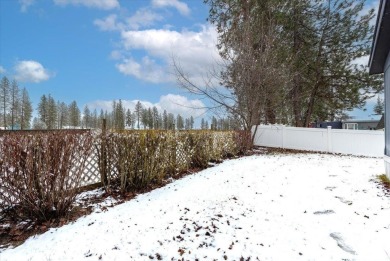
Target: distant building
x,y
326,124
360,124
349,124
381,123
380,63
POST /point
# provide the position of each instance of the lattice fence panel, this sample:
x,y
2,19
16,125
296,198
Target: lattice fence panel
x,y
91,174
178,149
5,197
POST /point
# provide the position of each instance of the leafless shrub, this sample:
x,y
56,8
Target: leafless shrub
x,y
242,141
40,173
199,146
135,159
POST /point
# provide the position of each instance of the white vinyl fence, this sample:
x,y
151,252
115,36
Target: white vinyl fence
x,y
355,142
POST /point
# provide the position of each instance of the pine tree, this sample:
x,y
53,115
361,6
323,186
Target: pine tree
x,y
4,99
165,120
113,114
43,110
101,118
324,38
160,121
192,123
133,120
138,111
87,117
379,106
129,118
108,117
25,110
156,120
38,124
119,117
63,114
51,120
74,114
94,119
214,123
14,104
179,122
144,118
150,118
170,121
186,123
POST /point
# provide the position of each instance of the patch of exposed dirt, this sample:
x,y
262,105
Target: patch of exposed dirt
x,y
383,183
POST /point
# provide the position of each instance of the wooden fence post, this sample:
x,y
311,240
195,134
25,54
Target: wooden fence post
x,y
104,126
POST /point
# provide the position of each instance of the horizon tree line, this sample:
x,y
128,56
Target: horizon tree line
x,y
52,114
15,105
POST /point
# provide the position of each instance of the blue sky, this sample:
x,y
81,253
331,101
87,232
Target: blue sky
x,y
95,51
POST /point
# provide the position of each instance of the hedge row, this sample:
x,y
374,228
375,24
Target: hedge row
x,y
40,173
134,159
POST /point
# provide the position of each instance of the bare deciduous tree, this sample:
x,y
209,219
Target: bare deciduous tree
x,y
251,80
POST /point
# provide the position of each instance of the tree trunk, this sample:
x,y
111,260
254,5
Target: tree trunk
x,y
297,84
270,116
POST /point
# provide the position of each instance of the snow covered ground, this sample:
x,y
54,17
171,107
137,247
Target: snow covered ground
x,y
268,207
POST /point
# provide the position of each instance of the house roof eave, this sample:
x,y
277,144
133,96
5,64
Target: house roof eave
x,y
381,43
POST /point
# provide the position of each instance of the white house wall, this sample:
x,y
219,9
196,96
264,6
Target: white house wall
x,y
387,113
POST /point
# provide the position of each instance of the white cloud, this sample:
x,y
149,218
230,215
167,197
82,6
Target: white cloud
x,y
143,17
2,70
25,4
162,43
109,23
179,104
172,103
130,67
31,71
147,70
100,4
196,51
116,55
180,6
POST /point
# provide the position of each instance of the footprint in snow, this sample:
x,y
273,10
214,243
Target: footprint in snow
x,y
330,188
343,200
324,212
340,242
